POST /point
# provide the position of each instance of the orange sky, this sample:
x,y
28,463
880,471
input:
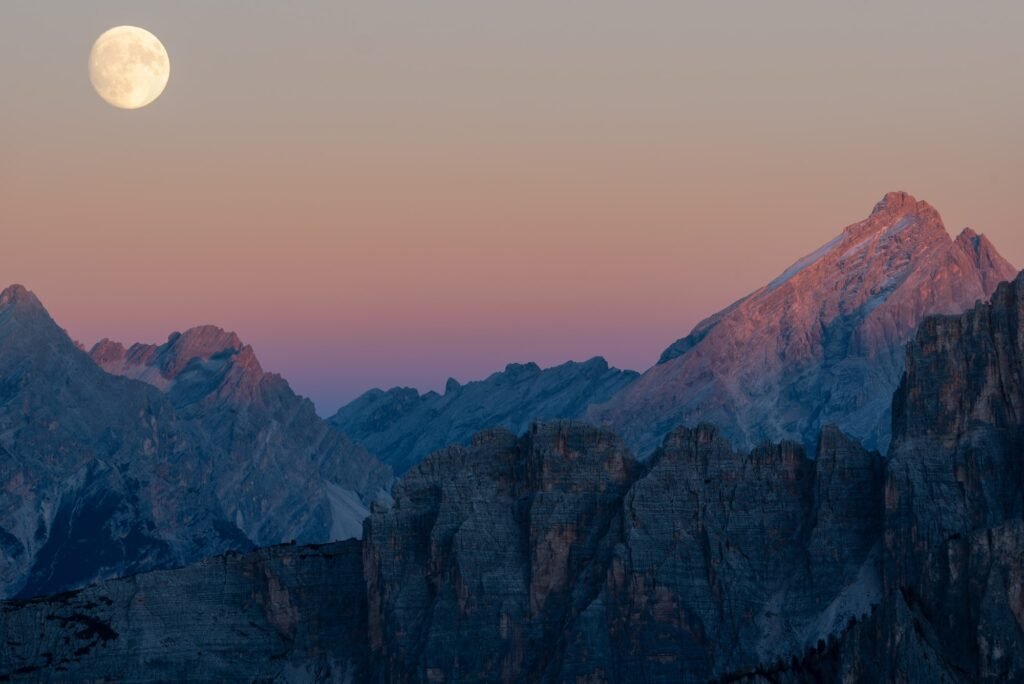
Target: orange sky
x,y
391,193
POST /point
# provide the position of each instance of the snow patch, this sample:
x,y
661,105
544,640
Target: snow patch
x,y
854,601
148,374
805,262
783,636
347,512
898,226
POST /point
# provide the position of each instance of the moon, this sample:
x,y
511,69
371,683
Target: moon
x,y
129,67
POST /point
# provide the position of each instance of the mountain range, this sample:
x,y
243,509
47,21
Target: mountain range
x,y
558,556
106,476
401,426
822,482
820,344
232,458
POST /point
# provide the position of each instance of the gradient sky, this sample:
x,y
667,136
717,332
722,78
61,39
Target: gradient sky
x,y
385,193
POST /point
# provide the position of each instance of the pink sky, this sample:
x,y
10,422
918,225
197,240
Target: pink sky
x,y
374,196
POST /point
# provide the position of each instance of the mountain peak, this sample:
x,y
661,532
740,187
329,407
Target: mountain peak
x,y
799,352
895,213
894,203
992,268
204,341
19,295
973,242
160,365
107,351
968,234
977,244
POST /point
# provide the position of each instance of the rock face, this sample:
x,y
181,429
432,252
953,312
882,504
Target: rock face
x,y
104,476
401,426
955,492
97,479
280,613
278,470
558,557
953,544
822,343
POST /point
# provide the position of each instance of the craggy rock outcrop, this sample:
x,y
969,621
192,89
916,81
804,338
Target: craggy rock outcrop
x,y
279,471
104,476
281,613
953,609
955,489
557,557
821,344
401,426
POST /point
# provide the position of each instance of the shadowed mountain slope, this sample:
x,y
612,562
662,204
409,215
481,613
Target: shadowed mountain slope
x,y
401,426
105,476
280,471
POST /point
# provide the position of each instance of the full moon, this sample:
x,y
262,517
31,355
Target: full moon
x,y
129,67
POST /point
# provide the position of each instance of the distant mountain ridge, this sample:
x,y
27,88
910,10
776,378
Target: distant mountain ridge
x,y
401,426
105,476
822,343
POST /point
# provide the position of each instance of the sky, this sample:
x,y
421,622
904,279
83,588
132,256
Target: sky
x,y
392,193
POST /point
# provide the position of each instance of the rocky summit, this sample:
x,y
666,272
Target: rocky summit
x,y
401,426
955,498
106,476
279,471
822,343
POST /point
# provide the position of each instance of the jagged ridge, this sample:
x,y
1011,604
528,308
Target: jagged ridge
x,y
401,426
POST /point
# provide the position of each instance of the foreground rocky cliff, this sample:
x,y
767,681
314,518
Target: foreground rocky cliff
x,y
401,426
555,556
281,613
558,557
955,502
822,343
953,605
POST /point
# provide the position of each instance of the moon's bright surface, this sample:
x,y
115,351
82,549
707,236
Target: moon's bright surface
x,y
128,67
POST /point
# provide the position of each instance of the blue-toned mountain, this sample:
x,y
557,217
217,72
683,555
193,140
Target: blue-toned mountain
x,y
401,426
105,476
